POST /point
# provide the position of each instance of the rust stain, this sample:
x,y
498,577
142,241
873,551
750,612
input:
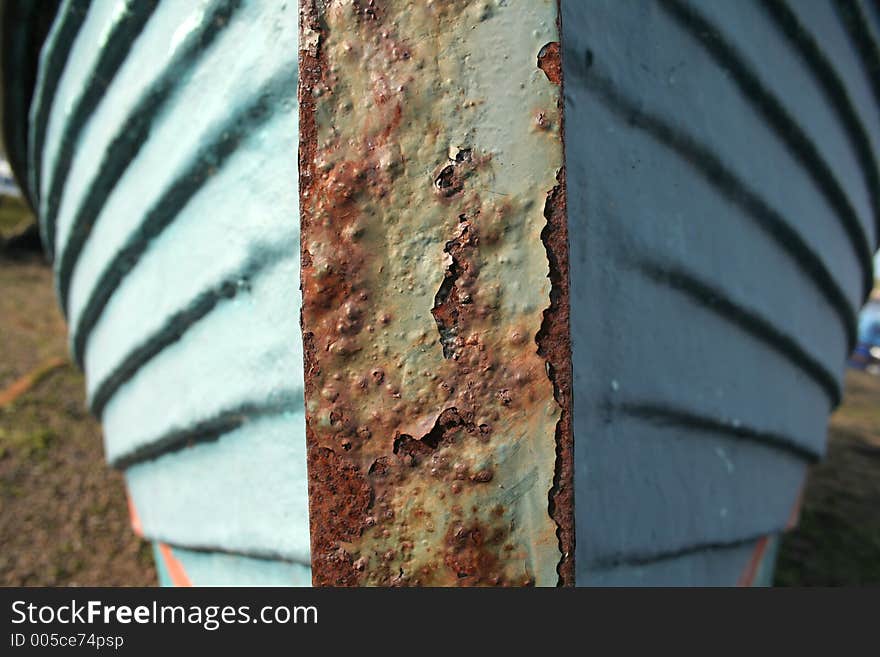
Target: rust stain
x,y
550,61
434,350
554,338
454,298
340,496
554,344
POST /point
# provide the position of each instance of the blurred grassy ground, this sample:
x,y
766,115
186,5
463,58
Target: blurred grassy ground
x,y
837,541
63,514
14,216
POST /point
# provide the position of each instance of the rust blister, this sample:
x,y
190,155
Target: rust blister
x,y
432,424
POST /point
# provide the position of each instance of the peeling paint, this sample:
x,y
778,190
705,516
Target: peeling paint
x,y
431,140
550,61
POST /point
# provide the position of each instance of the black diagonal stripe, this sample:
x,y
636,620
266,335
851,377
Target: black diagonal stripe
x,y
55,58
664,414
648,557
717,301
249,553
261,258
709,165
110,60
835,92
219,147
856,24
133,134
786,128
211,429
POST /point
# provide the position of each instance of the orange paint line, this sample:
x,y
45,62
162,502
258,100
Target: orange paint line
x,y
21,385
133,516
795,516
748,576
175,568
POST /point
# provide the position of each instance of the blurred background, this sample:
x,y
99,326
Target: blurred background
x,y
63,512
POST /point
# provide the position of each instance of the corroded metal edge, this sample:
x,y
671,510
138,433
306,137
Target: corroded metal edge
x,y
348,505
335,491
554,338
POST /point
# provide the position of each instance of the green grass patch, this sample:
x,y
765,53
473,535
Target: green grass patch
x,y
15,215
30,444
830,549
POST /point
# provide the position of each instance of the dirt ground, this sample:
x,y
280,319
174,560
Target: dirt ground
x,y
63,517
837,541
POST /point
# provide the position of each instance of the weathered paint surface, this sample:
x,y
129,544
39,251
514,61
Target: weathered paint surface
x,y
715,201
713,303
178,566
430,142
186,163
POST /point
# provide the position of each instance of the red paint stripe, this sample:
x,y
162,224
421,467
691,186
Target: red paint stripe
x,y
174,567
748,575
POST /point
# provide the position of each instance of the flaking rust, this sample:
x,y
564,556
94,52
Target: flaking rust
x,y
436,354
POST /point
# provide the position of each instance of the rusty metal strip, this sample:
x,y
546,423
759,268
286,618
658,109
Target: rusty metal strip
x,y
435,293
